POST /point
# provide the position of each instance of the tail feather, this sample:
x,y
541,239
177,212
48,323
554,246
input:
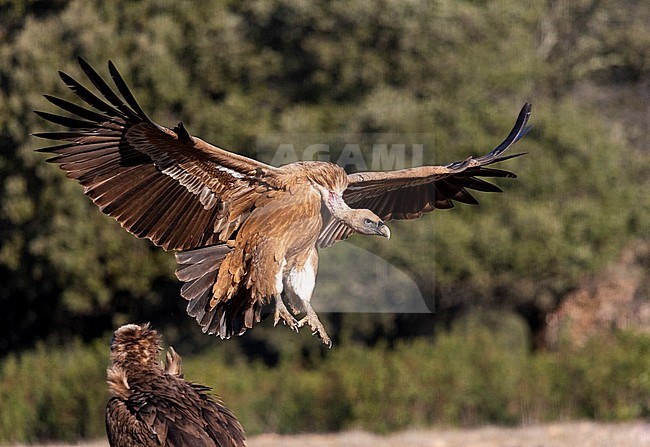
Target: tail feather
x,y
191,261
199,269
195,288
197,307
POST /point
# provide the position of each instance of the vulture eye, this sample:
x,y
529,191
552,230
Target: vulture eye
x,y
367,221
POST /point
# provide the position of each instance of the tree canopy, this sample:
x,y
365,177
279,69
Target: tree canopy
x,y
449,74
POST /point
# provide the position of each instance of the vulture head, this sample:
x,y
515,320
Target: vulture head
x,y
366,222
136,346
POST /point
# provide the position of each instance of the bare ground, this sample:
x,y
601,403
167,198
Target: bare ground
x,y
573,434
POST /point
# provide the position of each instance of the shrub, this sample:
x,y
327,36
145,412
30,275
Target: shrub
x,y
54,394
480,372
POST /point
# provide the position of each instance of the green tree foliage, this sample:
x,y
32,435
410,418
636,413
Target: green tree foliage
x,y
456,72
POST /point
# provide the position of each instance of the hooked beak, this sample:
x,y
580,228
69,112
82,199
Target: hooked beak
x,y
383,230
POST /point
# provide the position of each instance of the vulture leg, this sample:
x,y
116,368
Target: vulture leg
x,y
293,301
314,323
281,313
299,283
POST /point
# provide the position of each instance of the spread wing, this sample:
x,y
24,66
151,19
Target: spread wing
x,y
163,184
409,193
172,415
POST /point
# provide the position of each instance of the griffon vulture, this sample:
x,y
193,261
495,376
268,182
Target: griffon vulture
x,y
152,406
247,234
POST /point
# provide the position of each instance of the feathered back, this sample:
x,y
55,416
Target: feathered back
x,y
152,406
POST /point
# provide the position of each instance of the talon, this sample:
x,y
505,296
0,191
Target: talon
x,y
317,327
281,313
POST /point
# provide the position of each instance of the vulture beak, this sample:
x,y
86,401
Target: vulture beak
x,y
383,230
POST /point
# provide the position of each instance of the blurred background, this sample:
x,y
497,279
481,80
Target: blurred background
x,y
542,293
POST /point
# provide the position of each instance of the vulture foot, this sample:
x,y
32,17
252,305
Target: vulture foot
x,y
316,326
281,313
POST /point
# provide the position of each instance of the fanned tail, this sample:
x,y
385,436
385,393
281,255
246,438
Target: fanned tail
x,y
198,270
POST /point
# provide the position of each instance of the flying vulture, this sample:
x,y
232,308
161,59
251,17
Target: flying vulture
x,y
247,233
152,406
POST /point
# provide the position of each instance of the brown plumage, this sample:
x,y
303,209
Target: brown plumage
x,y
247,233
152,406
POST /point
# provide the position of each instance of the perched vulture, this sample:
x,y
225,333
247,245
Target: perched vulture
x,y
152,406
247,233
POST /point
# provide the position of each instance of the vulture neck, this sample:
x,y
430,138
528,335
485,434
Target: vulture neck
x,y
338,208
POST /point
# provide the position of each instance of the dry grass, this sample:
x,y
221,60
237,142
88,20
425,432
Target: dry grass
x,y
574,434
